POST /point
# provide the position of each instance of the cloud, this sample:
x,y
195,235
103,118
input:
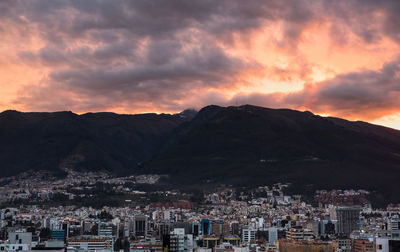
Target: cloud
x,y
155,80
371,20
366,94
132,56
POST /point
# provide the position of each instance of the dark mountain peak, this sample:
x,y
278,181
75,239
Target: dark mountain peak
x,y
210,108
9,111
188,114
207,112
9,114
247,107
19,113
99,114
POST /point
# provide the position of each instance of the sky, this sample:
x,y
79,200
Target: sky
x,y
334,58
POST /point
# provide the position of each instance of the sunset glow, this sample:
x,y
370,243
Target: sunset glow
x,y
337,58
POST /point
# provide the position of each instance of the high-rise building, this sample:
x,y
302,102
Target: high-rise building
x,y
235,228
196,228
139,225
217,227
248,234
394,226
272,234
164,228
205,227
348,219
108,229
177,239
185,225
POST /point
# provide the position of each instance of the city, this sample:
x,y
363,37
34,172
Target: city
x,y
199,125
228,219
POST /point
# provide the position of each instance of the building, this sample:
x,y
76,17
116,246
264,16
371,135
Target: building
x,y
232,239
235,228
327,227
140,225
348,219
307,246
205,227
196,227
224,247
272,234
17,241
219,228
179,241
394,226
89,244
108,229
363,245
344,244
164,228
59,235
387,244
248,235
298,233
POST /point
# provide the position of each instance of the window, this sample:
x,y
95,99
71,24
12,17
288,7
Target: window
x,y
379,246
19,247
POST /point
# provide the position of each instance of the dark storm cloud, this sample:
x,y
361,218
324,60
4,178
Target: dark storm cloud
x,y
368,19
209,65
160,51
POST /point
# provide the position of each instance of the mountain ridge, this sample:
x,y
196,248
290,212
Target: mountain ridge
x,y
242,146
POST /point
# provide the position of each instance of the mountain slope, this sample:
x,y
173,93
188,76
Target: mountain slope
x,y
93,141
242,146
251,145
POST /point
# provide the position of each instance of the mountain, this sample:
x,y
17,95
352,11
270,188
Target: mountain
x,y
241,146
93,141
250,145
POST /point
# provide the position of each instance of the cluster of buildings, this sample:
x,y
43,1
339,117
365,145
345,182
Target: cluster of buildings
x,y
42,187
259,224
352,197
261,219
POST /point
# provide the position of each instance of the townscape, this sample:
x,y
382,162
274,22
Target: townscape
x,y
199,126
225,219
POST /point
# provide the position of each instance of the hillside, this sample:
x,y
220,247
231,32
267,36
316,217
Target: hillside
x,y
251,145
93,141
241,146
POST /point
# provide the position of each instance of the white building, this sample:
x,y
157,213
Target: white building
x,y
248,235
394,226
17,241
382,244
180,241
387,244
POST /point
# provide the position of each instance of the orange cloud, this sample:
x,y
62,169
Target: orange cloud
x,y
332,59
